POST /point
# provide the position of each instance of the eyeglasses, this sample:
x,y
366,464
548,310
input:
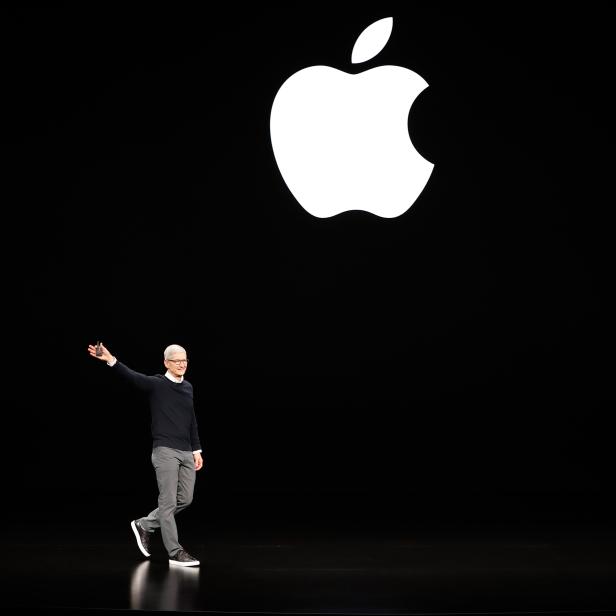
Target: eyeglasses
x,y
177,362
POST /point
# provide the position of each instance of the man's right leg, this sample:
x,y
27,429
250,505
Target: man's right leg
x,y
166,465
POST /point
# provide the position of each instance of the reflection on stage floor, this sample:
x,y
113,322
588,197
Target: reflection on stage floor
x,y
299,568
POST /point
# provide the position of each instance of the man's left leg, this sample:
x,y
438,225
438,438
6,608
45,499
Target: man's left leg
x,y
186,482
186,487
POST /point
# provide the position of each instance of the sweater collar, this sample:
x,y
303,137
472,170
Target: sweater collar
x,y
173,378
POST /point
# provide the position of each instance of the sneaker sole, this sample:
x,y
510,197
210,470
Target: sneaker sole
x,y
143,550
190,563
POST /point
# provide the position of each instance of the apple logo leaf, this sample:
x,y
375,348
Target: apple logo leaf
x,y
372,40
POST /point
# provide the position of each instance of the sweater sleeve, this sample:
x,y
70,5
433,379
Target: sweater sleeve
x,y
194,434
141,381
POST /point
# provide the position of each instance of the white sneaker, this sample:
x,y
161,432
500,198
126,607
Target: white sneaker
x,y
142,536
183,559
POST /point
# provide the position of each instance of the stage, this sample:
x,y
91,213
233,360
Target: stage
x,y
353,564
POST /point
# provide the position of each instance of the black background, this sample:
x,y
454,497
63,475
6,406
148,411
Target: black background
x,y
455,360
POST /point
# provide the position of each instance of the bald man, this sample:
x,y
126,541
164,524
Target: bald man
x,y
176,448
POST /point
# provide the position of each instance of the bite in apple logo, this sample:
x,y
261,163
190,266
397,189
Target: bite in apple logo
x,y
341,141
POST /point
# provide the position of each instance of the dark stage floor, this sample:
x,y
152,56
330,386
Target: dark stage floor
x,y
357,568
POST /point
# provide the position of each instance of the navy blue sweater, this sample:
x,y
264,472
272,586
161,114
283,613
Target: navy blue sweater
x,y
171,404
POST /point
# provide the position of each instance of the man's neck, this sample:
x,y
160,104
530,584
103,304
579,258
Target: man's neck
x,y
174,378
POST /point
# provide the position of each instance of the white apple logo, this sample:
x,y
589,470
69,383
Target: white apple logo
x,y
341,141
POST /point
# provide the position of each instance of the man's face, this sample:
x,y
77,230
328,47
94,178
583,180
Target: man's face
x,y
177,364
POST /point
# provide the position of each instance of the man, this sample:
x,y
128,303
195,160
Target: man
x,y
176,448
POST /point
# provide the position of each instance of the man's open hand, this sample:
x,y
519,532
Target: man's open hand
x,y
105,356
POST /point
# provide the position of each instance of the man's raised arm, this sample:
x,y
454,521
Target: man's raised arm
x,y
139,380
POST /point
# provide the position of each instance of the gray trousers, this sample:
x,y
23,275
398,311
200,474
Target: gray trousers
x,y
175,474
